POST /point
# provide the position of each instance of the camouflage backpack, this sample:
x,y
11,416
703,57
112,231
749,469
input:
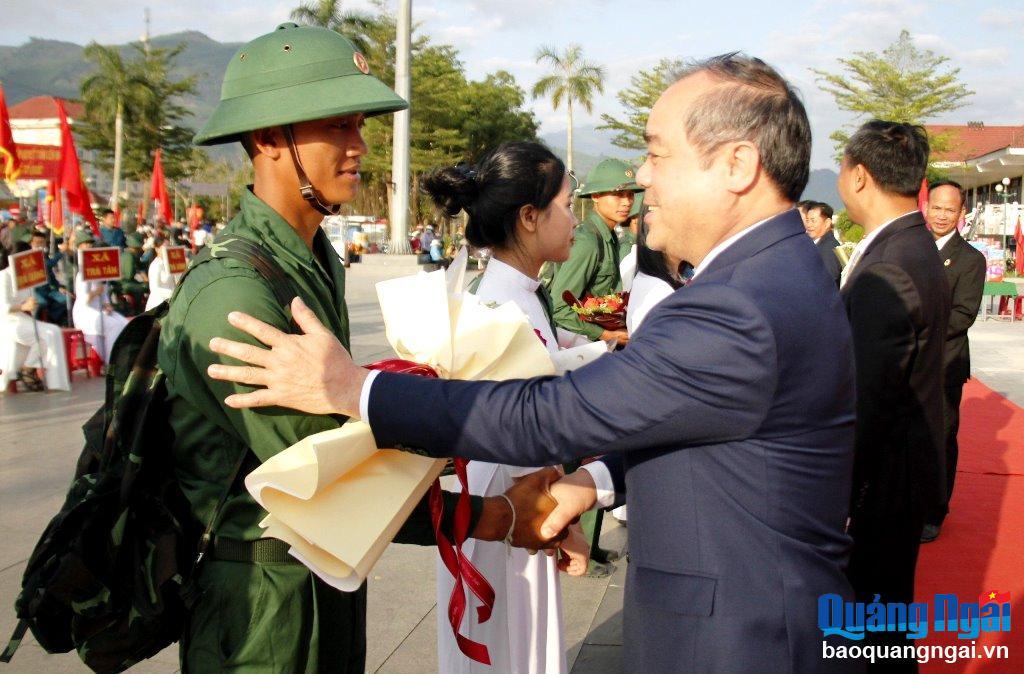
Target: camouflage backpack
x,y
111,574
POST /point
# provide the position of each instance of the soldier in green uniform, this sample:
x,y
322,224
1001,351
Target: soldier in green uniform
x,y
628,229
130,283
296,99
593,267
593,264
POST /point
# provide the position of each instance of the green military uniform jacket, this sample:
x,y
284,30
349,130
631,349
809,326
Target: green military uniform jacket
x,y
208,434
592,267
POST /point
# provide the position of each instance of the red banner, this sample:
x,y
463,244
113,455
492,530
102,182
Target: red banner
x,y
29,269
39,162
176,259
100,264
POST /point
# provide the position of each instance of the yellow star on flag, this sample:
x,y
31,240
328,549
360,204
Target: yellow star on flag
x,y
991,595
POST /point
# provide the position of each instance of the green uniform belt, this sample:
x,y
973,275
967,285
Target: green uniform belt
x,y
260,551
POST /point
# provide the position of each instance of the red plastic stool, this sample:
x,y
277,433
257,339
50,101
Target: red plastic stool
x,y
78,351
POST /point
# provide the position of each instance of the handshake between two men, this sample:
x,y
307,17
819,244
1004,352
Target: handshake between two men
x,y
312,372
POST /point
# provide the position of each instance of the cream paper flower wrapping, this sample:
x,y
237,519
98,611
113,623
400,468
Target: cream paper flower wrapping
x,y
336,498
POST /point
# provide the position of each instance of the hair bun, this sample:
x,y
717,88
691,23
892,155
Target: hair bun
x,y
453,188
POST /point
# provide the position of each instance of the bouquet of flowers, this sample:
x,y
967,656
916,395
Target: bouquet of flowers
x,y
607,311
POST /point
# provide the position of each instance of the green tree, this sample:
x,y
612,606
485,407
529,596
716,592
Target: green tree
x,y
571,79
357,26
902,84
497,114
132,107
118,89
637,99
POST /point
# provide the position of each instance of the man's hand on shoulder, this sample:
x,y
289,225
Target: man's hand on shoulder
x,y
310,372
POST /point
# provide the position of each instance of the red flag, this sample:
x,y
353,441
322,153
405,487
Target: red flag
x,y
993,597
70,178
922,195
158,190
9,161
56,208
1018,236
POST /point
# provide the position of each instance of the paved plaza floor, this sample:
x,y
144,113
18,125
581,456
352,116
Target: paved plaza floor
x,y
40,439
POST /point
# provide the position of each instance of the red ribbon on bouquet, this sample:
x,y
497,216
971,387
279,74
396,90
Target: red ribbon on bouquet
x,y
462,570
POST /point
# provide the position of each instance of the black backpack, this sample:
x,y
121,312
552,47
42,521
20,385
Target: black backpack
x,y
112,574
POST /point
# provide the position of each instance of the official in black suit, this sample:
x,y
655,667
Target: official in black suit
x,y
898,303
818,225
965,274
728,418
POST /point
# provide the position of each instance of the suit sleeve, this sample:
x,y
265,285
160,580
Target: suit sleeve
x,y
574,276
702,371
967,297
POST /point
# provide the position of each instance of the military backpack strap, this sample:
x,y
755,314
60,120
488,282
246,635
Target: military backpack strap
x,y
254,255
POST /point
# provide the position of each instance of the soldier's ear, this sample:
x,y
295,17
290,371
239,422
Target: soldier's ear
x,y
266,142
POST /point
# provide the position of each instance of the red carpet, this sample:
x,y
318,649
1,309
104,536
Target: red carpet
x,y
981,548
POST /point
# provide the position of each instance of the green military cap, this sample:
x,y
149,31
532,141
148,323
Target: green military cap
x,y
295,74
84,236
610,175
133,241
638,203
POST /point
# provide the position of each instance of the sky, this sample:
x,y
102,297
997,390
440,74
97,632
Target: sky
x,y
981,37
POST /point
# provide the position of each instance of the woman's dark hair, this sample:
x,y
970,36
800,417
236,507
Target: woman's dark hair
x,y
512,176
651,262
159,240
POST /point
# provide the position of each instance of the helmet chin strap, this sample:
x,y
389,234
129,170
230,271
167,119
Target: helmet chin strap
x,y
305,187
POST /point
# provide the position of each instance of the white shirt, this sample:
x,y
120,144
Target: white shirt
x,y
942,241
862,246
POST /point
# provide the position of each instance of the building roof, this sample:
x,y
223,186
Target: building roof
x,y
43,107
972,141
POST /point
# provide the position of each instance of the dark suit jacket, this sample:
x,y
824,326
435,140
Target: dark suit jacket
x,y
827,245
965,274
729,417
898,304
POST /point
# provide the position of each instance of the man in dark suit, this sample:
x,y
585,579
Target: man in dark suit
x,y
818,224
965,274
896,296
728,431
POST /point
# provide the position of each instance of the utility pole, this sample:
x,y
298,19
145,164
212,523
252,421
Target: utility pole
x,y
400,155
145,36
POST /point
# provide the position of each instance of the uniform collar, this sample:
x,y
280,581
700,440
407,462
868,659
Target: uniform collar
x,y
606,233
506,274
272,230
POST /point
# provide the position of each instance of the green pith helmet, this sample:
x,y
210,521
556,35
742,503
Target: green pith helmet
x,y
638,203
294,74
610,175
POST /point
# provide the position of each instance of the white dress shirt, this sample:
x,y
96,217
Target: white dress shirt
x,y
862,246
942,241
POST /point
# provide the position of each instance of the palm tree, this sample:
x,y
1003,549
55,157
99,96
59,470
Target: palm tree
x,y
571,79
118,87
329,14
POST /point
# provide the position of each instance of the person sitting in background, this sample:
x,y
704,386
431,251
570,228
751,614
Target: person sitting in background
x,y
161,281
92,312
110,231
133,278
26,344
51,298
